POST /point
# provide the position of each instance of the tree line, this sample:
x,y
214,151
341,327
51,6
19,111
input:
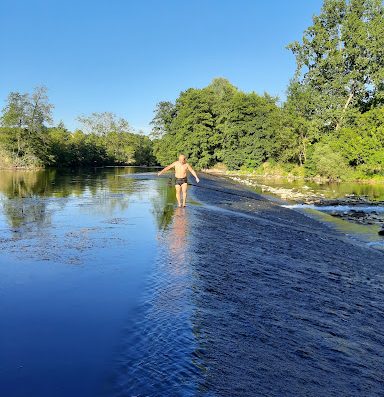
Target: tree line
x,y
331,123
27,140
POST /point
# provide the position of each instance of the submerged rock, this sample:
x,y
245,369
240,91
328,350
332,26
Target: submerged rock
x,y
361,217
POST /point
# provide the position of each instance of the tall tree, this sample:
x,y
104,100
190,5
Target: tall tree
x,y
341,56
39,110
302,123
25,118
15,112
101,123
164,114
221,123
32,112
249,135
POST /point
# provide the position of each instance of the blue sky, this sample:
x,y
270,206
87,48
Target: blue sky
x,y
125,56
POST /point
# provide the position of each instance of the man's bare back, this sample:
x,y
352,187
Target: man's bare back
x,y
181,169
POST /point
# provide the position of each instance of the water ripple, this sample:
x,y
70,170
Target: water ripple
x,y
159,356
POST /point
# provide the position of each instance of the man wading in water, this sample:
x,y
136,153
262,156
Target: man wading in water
x,y
181,168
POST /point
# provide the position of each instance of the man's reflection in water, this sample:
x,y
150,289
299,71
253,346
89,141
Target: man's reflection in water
x,y
173,224
177,242
171,284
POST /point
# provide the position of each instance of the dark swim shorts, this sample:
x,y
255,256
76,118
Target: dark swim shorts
x,y
181,181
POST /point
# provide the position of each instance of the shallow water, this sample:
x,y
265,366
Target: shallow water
x,y
372,194
107,289
332,190
360,233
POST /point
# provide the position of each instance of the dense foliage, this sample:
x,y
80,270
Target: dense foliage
x,y
331,123
217,124
27,141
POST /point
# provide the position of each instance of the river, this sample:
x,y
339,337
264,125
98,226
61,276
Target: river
x,y
107,289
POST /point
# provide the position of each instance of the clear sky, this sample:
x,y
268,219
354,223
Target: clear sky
x,y
125,56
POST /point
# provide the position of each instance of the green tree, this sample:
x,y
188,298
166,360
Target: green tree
x,y
327,163
161,123
301,123
341,56
362,142
24,120
189,131
15,112
220,123
101,123
250,130
39,110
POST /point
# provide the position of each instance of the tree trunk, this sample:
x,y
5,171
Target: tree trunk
x,y
350,97
35,105
303,154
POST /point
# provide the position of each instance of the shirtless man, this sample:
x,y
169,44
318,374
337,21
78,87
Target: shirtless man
x,y
181,168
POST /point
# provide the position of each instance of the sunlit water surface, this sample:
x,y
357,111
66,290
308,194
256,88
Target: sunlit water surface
x,y
94,285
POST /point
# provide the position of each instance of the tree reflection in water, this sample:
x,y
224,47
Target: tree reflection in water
x,y
35,206
164,204
20,193
24,194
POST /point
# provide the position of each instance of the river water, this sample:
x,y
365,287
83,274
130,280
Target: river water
x,y
107,289
78,252
355,209
330,190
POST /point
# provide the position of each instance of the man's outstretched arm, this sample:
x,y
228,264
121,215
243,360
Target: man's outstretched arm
x,y
166,169
192,171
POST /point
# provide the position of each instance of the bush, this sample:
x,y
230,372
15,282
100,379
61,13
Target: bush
x,y
297,171
28,160
327,163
